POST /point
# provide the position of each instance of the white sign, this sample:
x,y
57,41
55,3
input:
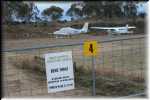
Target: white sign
x,y
59,71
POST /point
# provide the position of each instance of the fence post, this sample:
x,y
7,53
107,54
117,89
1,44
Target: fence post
x,y
93,76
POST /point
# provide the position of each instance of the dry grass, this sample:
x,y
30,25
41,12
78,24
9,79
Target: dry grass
x,y
31,64
118,86
119,75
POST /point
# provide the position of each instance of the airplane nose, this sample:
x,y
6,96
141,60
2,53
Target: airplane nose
x,y
55,32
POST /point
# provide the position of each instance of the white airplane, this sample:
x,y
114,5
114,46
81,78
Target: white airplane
x,y
116,30
72,31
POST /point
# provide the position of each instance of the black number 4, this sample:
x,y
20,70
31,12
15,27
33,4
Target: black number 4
x,y
91,48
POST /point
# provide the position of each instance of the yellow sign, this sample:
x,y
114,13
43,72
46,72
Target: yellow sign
x,y
90,48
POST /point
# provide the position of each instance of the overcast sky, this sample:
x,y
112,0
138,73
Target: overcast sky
x,y
66,5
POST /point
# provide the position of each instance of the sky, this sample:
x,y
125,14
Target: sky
x,y
141,7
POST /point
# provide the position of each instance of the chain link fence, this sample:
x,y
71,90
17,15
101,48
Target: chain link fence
x,y
120,70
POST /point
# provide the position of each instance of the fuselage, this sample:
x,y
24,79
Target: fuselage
x,y
115,30
119,30
72,31
67,31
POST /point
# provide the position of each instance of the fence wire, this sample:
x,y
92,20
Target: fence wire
x,y
120,69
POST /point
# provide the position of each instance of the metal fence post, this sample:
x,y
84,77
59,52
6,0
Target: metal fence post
x,y
93,76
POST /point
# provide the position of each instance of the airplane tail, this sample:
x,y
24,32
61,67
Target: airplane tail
x,y
127,25
85,28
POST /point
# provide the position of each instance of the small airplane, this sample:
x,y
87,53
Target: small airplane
x,y
71,31
116,30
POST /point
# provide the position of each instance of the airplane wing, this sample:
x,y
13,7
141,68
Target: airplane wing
x,y
131,27
105,28
108,28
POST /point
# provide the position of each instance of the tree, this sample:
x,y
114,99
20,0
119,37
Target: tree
x,y
130,9
103,9
53,12
89,9
74,11
35,13
26,11
9,10
142,15
116,7
20,10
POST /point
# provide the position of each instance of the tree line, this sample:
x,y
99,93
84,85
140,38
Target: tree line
x,y
27,11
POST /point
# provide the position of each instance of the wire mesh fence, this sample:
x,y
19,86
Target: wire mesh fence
x,y
120,70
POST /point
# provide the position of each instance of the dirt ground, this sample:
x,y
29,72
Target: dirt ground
x,y
29,43
16,83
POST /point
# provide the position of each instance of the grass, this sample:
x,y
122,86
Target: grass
x,y
105,87
34,66
116,74
83,78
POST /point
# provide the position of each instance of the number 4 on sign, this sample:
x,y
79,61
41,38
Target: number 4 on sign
x,y
90,48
